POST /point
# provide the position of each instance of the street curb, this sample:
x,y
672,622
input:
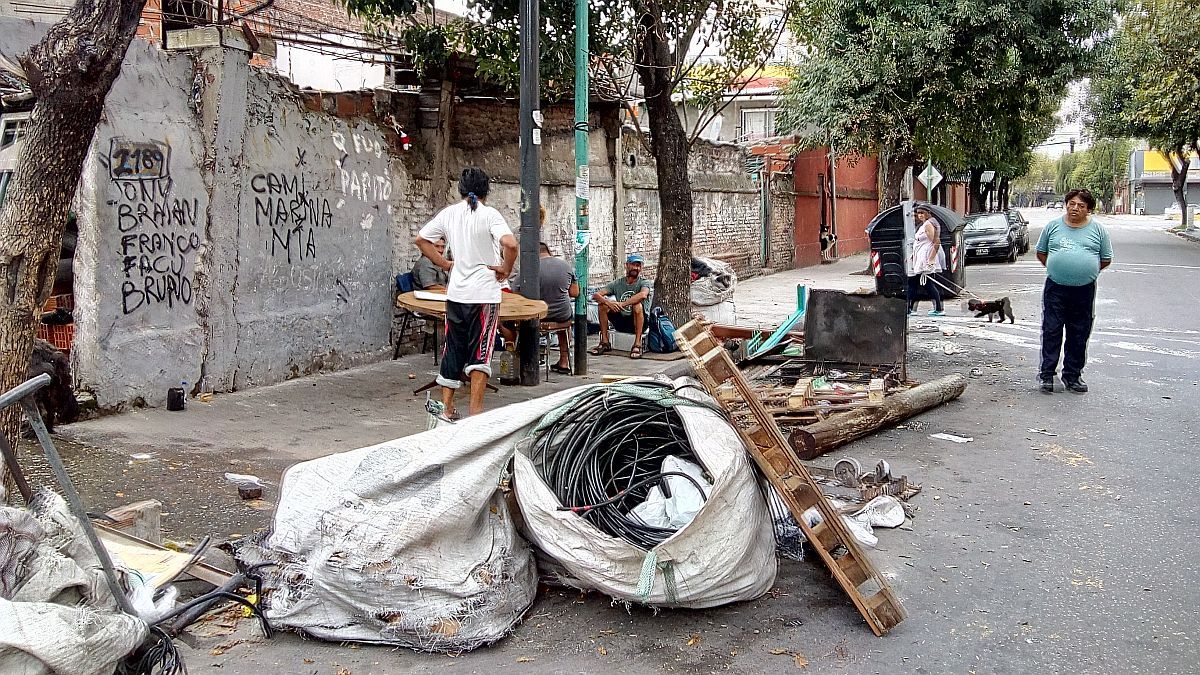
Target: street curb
x,y
1192,234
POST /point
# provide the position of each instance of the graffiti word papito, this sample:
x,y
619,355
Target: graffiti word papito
x,y
285,203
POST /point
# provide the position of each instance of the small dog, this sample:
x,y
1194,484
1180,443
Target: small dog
x,y
57,399
1001,308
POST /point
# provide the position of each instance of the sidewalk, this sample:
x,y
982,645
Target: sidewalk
x,y
763,302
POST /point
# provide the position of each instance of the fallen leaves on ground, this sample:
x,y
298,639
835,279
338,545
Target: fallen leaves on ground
x,y
601,651
798,657
693,641
525,659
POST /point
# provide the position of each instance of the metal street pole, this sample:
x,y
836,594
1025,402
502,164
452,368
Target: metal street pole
x,y
582,183
531,140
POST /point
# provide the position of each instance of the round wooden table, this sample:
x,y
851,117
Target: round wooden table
x,y
513,307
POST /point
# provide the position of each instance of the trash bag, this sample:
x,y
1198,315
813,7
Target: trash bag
x,y
409,542
714,287
724,554
57,615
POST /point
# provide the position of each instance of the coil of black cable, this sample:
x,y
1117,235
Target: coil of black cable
x,y
605,452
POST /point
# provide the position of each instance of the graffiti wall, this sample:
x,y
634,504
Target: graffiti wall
x,y
142,212
226,233
316,264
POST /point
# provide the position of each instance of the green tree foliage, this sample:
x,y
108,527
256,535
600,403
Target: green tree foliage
x,y
1149,86
968,83
1096,169
1038,178
700,48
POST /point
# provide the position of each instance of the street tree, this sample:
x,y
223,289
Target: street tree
x,y
1098,168
965,83
1038,179
1149,84
69,72
705,51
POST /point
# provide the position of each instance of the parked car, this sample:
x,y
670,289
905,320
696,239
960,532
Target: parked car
x,y
992,235
886,231
1022,226
1054,205
1173,212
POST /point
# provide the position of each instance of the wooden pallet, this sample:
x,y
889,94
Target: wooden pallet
x,y
771,450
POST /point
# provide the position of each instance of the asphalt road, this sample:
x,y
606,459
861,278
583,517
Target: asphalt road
x,y
1070,549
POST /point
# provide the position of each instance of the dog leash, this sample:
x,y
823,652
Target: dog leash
x,y
925,275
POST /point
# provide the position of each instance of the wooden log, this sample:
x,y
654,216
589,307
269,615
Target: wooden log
x,y
814,440
141,519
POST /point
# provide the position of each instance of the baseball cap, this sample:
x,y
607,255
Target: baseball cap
x,y
635,258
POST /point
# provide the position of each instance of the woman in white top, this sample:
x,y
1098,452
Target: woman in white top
x,y
928,258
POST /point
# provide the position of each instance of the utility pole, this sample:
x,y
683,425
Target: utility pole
x,y
531,179
582,183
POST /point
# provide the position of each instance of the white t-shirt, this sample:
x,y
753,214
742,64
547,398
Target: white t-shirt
x,y
473,238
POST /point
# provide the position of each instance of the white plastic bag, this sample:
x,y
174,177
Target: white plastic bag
x,y
726,553
685,501
715,288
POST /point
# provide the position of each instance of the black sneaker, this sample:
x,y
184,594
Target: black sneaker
x,y
1078,386
1047,385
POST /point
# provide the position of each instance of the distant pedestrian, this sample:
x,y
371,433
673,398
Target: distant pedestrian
x,y
1073,249
484,254
927,259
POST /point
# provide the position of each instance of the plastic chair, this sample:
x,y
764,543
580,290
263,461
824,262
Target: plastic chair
x,y
405,284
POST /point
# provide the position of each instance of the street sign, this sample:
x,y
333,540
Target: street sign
x,y
930,177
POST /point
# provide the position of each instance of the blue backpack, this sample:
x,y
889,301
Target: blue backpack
x,y
661,338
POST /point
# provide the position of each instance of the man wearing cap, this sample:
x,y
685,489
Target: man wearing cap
x,y
624,304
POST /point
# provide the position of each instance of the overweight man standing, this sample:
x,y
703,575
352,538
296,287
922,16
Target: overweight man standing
x,y
1073,249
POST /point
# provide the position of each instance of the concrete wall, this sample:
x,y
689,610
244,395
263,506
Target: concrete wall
x,y
253,246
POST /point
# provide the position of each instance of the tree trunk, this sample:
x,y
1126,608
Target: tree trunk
x,y
976,191
669,142
816,439
893,179
70,72
1179,180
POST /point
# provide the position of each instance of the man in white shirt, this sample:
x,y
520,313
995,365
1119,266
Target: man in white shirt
x,y
485,251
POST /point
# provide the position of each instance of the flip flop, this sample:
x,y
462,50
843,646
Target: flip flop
x,y
560,370
602,348
635,352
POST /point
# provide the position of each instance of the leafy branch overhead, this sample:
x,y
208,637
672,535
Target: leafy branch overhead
x,y
965,83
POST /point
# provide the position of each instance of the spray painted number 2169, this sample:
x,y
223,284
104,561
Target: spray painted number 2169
x,y
133,160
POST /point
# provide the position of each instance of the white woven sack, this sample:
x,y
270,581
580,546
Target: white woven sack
x,y
726,554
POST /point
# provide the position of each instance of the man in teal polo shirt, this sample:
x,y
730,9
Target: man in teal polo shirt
x,y
624,305
1073,249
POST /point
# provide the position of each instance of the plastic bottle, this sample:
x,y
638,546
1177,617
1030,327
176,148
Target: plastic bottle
x,y
508,365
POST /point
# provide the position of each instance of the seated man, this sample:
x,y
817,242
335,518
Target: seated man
x,y
627,308
428,276
556,279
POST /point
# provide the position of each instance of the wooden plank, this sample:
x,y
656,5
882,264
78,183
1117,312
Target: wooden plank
x,y
876,391
201,570
801,395
141,519
778,462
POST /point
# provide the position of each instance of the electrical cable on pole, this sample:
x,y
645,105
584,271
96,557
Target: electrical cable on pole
x,y
531,142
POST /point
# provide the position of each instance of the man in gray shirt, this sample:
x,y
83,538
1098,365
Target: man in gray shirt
x,y
428,276
556,280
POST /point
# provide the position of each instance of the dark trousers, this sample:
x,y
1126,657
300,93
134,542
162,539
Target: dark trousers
x,y
914,287
1069,309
